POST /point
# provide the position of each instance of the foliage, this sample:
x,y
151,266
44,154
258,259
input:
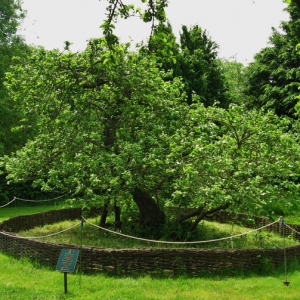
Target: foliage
x,y
234,156
22,190
13,134
235,81
296,2
199,68
274,75
153,11
163,45
11,14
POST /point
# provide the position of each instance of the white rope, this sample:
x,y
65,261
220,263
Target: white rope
x,y
181,243
8,203
27,200
291,228
39,237
37,201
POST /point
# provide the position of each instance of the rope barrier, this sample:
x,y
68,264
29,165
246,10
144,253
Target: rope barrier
x,y
142,239
286,225
181,243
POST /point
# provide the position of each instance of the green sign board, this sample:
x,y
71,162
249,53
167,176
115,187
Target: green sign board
x,y
67,260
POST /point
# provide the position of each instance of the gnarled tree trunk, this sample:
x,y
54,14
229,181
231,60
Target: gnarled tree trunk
x,y
200,213
150,212
117,210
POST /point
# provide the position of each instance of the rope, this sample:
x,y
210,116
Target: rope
x,y
291,228
142,239
27,200
37,201
181,243
8,203
39,237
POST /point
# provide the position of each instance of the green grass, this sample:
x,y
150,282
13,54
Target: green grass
x,y
21,280
289,209
292,219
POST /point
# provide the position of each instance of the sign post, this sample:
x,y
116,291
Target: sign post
x,y
67,263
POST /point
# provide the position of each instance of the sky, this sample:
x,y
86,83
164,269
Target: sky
x,y
241,28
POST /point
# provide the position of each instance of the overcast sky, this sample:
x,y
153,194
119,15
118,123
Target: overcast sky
x,y
240,27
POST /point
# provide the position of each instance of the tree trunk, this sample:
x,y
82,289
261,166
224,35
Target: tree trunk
x,y
117,210
150,213
104,215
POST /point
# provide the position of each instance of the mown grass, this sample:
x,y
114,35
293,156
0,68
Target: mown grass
x,y
288,209
16,210
292,219
22,280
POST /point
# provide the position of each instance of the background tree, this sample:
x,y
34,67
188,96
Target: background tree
x,y
163,45
199,67
235,81
296,2
194,59
11,45
274,75
13,134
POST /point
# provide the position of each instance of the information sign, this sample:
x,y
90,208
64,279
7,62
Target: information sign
x,y
67,260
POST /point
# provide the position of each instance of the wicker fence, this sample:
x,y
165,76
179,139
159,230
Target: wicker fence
x,y
138,261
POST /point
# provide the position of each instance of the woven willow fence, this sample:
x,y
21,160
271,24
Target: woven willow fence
x,y
139,261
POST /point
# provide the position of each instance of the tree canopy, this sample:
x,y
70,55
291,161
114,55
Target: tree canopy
x,y
135,128
111,127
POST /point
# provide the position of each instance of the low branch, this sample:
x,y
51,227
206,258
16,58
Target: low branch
x,y
208,212
190,214
201,213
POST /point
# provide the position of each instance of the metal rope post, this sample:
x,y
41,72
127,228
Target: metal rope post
x,y
286,282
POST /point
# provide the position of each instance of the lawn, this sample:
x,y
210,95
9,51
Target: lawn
x,y
21,280
16,210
